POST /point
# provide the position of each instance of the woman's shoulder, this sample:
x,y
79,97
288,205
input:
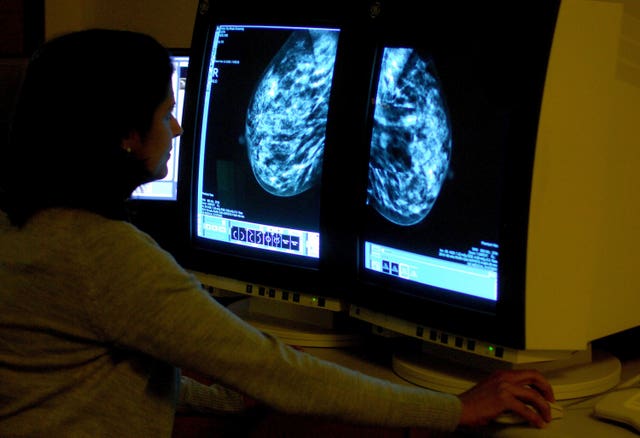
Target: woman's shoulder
x,y
86,227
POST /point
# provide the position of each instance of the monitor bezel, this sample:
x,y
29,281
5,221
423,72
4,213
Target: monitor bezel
x,y
323,276
502,322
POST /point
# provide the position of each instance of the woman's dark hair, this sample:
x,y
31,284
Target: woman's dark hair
x,y
82,94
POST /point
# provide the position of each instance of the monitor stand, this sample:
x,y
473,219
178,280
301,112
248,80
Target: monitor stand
x,y
569,378
297,319
298,325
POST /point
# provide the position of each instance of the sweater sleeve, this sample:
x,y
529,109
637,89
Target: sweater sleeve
x,y
198,397
144,300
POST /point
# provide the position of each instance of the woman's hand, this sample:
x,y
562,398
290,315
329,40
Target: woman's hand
x,y
502,391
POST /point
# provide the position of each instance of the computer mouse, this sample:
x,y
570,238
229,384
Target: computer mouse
x,y
557,411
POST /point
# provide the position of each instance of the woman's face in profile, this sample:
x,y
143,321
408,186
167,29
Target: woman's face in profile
x,y
154,150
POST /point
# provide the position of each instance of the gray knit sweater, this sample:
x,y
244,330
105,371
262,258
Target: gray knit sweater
x,y
96,319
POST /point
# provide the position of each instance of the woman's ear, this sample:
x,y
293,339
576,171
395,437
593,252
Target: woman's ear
x,y
132,142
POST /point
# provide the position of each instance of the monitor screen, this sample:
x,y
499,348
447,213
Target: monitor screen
x,y
166,189
450,142
262,151
260,141
432,214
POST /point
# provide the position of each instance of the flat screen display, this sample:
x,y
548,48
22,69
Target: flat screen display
x,y
432,214
261,140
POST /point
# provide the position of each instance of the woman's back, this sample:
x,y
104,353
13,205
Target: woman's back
x,y
59,372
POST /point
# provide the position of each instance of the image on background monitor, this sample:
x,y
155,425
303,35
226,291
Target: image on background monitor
x,y
166,189
419,229
262,139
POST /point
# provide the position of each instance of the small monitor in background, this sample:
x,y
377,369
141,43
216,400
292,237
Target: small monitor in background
x,y
166,189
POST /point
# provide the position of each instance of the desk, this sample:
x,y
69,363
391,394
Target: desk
x,y
577,422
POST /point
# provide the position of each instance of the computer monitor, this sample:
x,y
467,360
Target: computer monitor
x,y
486,235
154,207
263,138
166,189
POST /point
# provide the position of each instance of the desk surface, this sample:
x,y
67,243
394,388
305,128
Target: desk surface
x,y
578,421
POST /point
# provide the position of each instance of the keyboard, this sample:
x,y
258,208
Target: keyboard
x,y
620,405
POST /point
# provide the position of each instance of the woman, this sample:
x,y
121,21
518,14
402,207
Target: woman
x,y
96,319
